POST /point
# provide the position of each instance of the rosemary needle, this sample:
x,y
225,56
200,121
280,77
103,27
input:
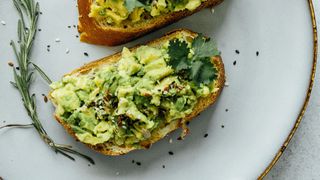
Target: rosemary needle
x,y
17,126
27,27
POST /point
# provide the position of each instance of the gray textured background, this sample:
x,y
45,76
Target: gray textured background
x,y
301,160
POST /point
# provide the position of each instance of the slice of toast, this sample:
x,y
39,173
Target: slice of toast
x,y
93,32
203,103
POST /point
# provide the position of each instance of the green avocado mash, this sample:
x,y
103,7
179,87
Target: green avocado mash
x,y
124,102
116,12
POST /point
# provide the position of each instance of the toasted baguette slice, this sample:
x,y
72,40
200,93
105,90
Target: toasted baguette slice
x,y
93,32
111,149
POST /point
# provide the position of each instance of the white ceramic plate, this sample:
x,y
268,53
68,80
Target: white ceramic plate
x,y
264,98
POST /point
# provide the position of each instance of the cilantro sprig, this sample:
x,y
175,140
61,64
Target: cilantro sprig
x,y
197,68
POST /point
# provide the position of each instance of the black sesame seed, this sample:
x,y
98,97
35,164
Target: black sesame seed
x,y
77,36
237,51
227,110
39,29
257,53
86,54
205,135
138,163
163,166
40,12
17,68
69,26
234,63
222,126
89,165
45,99
170,153
187,123
179,138
74,26
132,161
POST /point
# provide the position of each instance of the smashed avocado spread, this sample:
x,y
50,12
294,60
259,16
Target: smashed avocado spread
x,y
123,103
115,12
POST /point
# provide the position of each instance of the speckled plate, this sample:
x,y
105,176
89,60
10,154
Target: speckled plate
x,y
247,129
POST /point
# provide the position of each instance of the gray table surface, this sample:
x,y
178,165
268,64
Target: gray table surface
x,y
301,160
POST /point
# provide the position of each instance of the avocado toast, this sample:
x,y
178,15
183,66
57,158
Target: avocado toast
x,y
132,99
113,22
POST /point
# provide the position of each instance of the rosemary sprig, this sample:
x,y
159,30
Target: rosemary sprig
x,y
29,12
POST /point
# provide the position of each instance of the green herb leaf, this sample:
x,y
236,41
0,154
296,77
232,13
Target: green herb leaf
x,y
199,68
202,71
204,47
178,52
17,126
42,73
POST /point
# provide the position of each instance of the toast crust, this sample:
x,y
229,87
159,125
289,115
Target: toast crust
x,y
203,103
91,31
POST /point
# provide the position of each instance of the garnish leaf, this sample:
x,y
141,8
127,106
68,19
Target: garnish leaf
x,y
198,68
204,47
178,52
42,73
202,71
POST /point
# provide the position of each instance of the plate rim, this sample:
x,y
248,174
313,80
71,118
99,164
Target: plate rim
x,y
307,98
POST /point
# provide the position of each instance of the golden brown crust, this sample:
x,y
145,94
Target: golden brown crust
x,y
110,149
91,32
